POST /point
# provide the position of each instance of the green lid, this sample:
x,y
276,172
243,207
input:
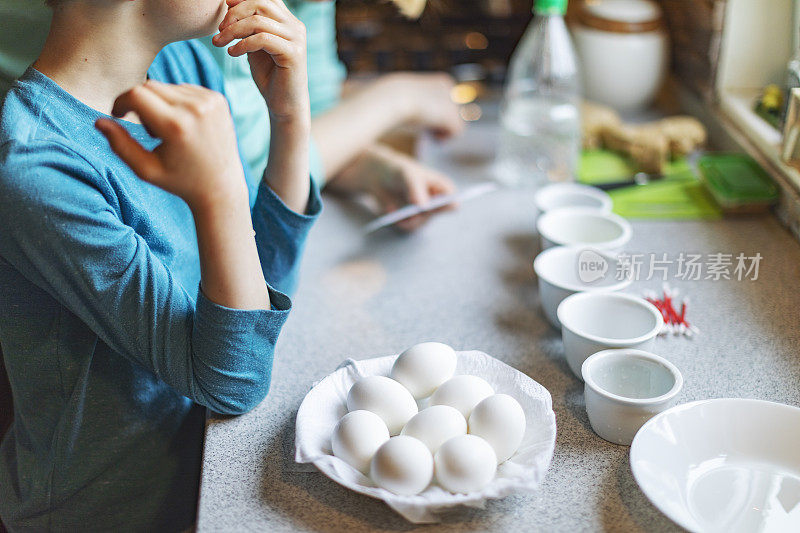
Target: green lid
x,y
737,180
550,7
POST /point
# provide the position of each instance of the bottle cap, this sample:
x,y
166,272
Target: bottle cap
x,y
550,7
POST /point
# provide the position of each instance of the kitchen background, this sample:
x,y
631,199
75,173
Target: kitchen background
x,y
723,54
374,37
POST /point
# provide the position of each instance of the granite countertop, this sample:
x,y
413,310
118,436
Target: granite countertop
x,y
467,279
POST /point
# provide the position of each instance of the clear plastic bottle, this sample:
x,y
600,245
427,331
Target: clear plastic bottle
x,y
540,115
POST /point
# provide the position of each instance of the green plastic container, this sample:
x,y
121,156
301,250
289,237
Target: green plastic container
x,y
738,183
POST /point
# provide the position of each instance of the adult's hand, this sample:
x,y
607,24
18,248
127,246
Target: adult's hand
x,y
394,180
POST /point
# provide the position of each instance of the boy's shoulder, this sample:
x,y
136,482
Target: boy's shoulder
x,y
33,115
187,62
42,140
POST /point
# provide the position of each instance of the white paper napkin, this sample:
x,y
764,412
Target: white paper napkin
x,y
325,404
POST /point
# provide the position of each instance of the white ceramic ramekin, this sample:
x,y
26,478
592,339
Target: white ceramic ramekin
x,y
583,226
626,388
558,270
558,195
596,321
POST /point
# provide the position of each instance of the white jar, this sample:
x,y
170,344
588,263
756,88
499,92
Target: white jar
x,y
623,49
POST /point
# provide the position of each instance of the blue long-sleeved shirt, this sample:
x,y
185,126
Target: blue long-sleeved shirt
x,y
109,344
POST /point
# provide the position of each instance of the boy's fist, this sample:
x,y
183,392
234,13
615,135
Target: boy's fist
x,y
198,158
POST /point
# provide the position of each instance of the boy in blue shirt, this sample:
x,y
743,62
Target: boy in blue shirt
x,y
136,284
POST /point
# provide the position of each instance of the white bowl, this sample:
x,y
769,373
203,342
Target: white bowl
x,y
729,465
558,195
564,270
626,388
325,404
583,226
596,321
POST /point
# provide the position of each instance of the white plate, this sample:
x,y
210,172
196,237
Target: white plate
x,y
325,404
729,465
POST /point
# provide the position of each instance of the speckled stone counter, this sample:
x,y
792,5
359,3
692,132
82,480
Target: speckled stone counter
x,y
467,279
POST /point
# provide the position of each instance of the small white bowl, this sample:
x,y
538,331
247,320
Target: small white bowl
x,y
626,388
595,321
564,270
558,195
583,226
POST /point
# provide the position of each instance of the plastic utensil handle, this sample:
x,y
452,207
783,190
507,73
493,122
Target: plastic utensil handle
x,y
640,178
435,203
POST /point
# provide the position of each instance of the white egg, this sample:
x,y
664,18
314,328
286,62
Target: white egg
x,y
402,465
462,392
423,367
386,398
465,464
500,421
435,425
357,436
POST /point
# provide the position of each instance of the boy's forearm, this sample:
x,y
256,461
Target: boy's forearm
x,y
287,172
230,268
345,131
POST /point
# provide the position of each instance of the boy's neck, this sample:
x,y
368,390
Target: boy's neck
x,y
96,56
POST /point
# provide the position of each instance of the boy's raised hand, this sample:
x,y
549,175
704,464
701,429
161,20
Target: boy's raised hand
x,y
198,159
275,43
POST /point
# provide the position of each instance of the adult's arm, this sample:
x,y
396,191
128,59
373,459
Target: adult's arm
x,y
358,121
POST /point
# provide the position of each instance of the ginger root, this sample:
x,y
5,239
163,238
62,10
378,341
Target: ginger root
x,y
594,119
649,145
684,133
646,145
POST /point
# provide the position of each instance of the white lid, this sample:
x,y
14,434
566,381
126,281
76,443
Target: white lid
x,y
628,11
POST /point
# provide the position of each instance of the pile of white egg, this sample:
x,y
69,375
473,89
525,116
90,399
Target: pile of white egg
x,y
459,438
